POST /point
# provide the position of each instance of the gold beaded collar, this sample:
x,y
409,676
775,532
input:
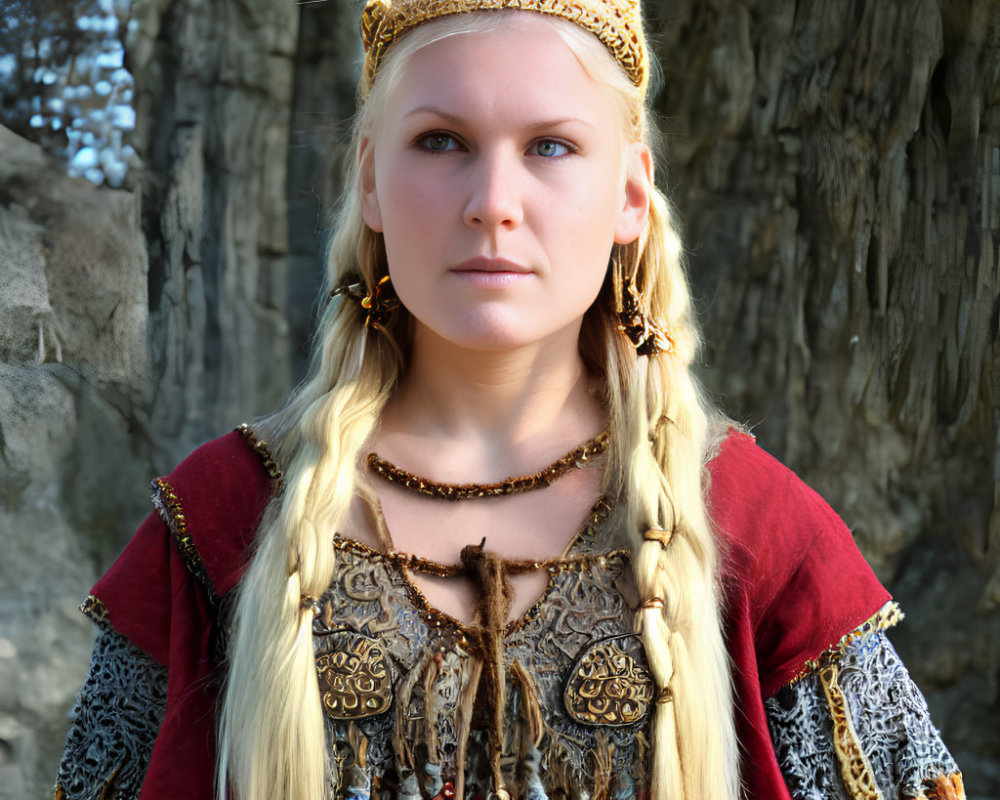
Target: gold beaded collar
x,y
617,23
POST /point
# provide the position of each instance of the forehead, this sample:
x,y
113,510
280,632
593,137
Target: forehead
x,y
515,58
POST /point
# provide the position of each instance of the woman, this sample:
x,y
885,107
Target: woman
x,y
506,285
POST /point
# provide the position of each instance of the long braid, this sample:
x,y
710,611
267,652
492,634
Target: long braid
x,y
271,731
659,431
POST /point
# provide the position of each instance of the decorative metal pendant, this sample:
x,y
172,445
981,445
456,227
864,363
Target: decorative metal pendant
x,y
648,336
609,684
354,677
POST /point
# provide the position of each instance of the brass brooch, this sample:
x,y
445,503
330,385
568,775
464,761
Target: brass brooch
x,y
354,677
609,685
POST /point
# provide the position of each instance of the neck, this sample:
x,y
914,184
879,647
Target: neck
x,y
501,402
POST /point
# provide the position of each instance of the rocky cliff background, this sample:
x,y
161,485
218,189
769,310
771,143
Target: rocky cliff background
x,y
836,164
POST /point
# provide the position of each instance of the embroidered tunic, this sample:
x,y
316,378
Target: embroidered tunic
x,y
578,692
824,708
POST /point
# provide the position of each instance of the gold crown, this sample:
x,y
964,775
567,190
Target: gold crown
x,y
617,23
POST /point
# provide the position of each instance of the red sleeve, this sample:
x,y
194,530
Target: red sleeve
x,y
163,594
806,583
193,548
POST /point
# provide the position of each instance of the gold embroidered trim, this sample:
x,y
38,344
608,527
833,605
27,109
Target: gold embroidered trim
x,y
177,523
260,448
94,608
438,620
855,770
883,619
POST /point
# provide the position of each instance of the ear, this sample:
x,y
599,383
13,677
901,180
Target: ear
x,y
634,214
371,211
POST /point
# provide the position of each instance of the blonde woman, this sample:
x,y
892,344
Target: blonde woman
x,y
497,545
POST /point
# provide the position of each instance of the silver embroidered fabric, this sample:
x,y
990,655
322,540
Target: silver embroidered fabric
x,y
417,746
890,717
116,719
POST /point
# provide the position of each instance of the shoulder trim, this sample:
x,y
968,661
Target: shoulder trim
x,y
263,452
172,512
883,619
212,504
94,608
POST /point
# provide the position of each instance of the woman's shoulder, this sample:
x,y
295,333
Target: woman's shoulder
x,y
789,556
206,513
753,495
161,605
212,503
237,459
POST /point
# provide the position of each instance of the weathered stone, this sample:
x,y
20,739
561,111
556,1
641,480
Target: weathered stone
x,y
842,244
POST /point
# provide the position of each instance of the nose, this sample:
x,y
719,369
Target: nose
x,y
495,192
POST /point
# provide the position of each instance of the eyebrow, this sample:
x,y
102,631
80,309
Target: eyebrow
x,y
456,119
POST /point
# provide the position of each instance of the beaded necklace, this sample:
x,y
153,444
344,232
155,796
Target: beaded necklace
x,y
578,458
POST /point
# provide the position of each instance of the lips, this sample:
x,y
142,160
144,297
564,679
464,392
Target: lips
x,y
491,273
492,265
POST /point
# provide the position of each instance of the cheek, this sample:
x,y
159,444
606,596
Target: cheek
x,y
585,228
408,202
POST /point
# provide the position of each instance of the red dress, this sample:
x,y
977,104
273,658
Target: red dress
x,y
794,583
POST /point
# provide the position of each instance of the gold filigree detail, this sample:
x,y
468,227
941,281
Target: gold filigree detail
x,y
616,23
943,787
354,678
855,771
261,449
608,686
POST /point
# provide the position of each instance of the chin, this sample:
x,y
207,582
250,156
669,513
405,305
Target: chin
x,y
498,339
491,341
491,331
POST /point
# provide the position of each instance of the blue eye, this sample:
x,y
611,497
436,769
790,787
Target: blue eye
x,y
438,142
549,148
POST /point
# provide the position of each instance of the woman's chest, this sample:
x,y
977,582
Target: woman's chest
x,y
420,705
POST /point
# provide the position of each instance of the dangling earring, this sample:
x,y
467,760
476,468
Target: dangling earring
x,y
647,335
379,302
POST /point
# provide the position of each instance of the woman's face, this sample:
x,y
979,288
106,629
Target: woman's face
x,y
499,178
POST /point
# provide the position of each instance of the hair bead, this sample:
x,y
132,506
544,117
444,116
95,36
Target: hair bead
x,y
310,603
658,535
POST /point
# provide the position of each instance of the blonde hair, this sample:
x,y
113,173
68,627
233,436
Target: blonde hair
x,y
271,728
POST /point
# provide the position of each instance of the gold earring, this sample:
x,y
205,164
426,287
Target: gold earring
x,y
648,336
379,302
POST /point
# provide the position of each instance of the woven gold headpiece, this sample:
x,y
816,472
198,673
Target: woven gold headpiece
x,y
617,23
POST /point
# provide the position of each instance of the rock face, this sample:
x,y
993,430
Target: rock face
x,y
214,88
74,375
837,167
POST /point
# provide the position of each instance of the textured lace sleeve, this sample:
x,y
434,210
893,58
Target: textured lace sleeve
x,y
115,722
857,728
